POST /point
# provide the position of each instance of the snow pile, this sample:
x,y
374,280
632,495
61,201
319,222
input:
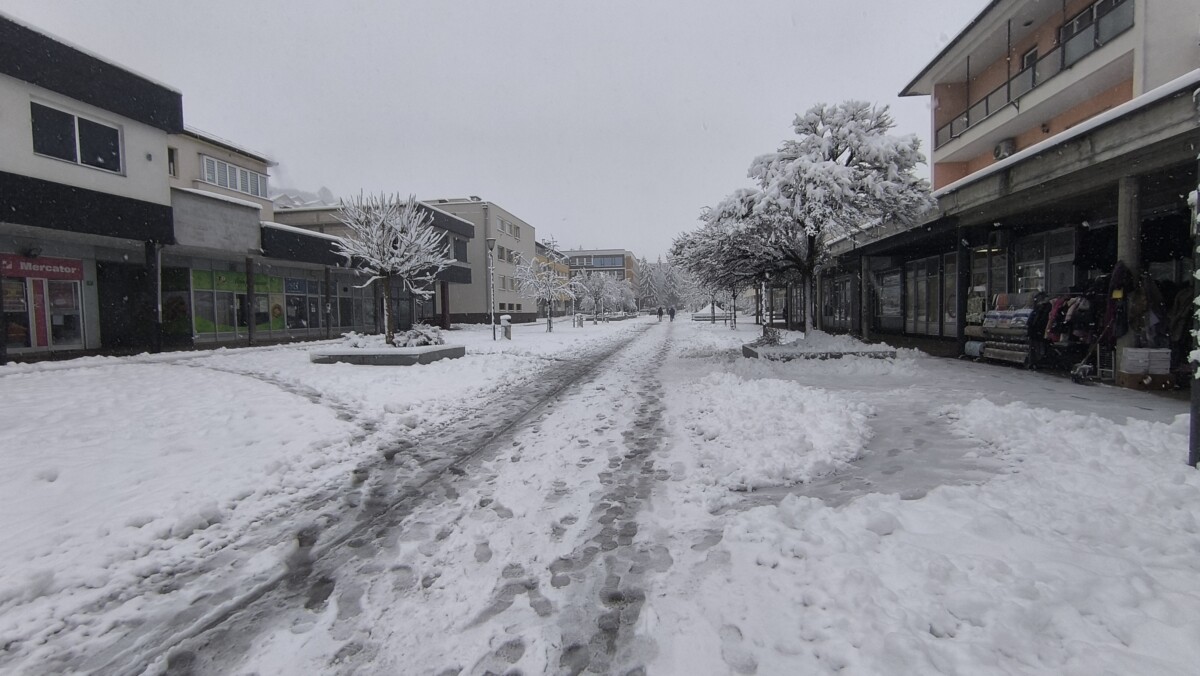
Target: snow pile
x,y
752,434
1083,560
710,340
819,341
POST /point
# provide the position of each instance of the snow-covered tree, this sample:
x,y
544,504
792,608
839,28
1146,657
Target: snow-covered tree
x,y
542,283
390,239
843,173
595,290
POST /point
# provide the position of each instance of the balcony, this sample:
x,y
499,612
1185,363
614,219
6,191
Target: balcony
x,y
1107,19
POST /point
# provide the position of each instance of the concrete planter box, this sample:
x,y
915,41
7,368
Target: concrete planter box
x,y
775,353
395,356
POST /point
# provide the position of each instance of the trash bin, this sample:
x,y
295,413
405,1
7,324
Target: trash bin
x,y
506,326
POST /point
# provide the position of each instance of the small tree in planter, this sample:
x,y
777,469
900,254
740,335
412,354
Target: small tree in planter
x,y
392,239
544,284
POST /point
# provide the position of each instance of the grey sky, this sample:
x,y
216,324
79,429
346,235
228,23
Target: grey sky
x,y
603,123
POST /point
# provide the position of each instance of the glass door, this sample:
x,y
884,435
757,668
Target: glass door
x,y
66,320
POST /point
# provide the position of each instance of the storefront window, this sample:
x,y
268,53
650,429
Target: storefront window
x,y
16,313
949,295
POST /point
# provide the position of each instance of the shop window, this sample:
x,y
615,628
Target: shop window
x,y
16,313
205,312
949,295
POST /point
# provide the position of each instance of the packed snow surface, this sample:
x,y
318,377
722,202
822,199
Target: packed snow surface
x,y
668,506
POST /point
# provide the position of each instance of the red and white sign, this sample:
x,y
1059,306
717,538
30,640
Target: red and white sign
x,y
42,268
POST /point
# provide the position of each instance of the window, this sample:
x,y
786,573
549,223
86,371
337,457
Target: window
x,y
518,307
608,261
233,177
516,232
75,139
460,250
173,162
1028,59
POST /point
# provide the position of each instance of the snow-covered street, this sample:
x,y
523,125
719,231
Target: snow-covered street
x,y
633,497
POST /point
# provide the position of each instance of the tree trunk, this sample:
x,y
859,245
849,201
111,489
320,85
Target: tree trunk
x,y
389,319
713,317
549,316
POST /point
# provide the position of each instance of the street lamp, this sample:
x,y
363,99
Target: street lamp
x,y
491,245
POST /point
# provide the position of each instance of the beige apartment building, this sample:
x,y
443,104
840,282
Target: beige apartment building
x,y
513,241
1064,140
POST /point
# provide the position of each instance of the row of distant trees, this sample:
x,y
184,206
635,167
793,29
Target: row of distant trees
x,y
841,174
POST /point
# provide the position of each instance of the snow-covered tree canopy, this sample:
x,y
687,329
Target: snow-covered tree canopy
x,y
393,238
662,284
841,174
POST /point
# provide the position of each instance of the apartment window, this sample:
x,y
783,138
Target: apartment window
x,y
76,139
1028,59
173,162
234,177
460,250
608,261
516,232
518,307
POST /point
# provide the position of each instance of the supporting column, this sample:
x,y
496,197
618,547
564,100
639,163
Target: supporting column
x,y
445,305
251,309
962,285
3,326
328,303
1194,444
154,283
865,315
1129,241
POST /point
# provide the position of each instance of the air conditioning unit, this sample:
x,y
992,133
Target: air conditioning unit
x,y
1004,148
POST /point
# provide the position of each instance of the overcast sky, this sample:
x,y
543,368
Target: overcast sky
x,y
602,123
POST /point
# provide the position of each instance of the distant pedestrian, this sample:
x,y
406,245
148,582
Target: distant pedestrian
x,y
672,313
660,313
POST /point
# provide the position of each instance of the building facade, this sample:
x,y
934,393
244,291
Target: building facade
x,y
513,242
619,264
1064,142
123,230
85,204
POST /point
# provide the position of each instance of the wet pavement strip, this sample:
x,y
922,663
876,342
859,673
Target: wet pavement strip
x,y
331,527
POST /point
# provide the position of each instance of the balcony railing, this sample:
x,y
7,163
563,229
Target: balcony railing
x,y
1113,17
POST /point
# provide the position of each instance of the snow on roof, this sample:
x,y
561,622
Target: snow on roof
x,y
227,144
87,51
223,198
1152,96
311,207
299,231
432,207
